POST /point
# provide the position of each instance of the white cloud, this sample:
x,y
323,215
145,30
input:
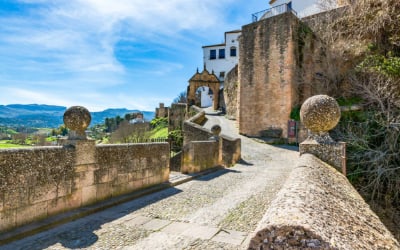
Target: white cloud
x,y
63,52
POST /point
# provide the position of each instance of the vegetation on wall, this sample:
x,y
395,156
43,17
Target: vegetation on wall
x,y
367,37
159,128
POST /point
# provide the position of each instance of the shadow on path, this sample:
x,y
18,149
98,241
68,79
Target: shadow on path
x,y
245,163
81,232
288,147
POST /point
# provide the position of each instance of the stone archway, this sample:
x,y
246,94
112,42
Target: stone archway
x,y
203,79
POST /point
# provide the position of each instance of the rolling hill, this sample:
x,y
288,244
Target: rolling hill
x,y
50,116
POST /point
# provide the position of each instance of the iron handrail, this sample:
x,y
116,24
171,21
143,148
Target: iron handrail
x,y
274,11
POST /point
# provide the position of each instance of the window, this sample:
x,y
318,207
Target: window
x,y
233,51
222,74
221,53
213,54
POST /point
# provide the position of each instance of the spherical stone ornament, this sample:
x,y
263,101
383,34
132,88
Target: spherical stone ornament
x,y
77,118
216,130
320,113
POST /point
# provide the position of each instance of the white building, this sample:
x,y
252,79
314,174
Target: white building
x,y
220,59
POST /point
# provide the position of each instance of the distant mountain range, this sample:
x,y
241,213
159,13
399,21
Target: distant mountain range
x,y
49,116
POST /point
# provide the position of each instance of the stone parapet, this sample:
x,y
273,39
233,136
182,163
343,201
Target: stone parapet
x,y
198,156
43,181
318,208
228,149
321,113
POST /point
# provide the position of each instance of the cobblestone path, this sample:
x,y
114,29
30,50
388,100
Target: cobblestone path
x,y
215,211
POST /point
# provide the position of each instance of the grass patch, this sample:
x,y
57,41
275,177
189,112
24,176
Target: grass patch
x,y
6,144
159,133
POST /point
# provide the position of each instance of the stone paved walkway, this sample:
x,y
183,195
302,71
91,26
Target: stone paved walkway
x,y
215,211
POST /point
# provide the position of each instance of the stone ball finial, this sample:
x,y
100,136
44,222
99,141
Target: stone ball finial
x,y
216,130
320,113
77,119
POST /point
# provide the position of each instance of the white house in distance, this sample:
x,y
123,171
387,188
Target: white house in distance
x,y
220,59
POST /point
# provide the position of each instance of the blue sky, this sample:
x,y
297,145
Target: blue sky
x,y
110,53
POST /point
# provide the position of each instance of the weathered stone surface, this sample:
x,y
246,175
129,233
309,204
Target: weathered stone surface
x,y
281,64
40,182
77,119
332,153
216,130
203,79
176,116
227,150
162,111
320,113
198,156
319,209
231,89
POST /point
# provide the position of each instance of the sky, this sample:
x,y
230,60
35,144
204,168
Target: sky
x,y
103,54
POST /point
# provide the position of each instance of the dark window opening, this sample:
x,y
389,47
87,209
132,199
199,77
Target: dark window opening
x,y
213,54
221,53
222,74
233,51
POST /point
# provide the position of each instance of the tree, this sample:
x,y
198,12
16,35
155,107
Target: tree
x,y
181,98
364,40
127,133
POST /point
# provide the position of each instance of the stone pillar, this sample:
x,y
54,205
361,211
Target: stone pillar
x,y
77,119
216,131
320,114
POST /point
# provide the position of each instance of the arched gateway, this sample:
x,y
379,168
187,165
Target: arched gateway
x,y
203,79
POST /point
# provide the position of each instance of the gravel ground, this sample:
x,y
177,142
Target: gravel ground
x,y
231,199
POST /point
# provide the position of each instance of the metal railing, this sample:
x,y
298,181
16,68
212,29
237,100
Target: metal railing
x,y
277,10
149,140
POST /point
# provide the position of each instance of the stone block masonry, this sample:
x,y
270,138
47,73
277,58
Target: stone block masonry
x,y
231,85
40,182
266,74
281,64
203,149
199,156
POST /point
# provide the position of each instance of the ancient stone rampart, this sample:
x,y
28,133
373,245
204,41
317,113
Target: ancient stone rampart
x,y
282,63
318,208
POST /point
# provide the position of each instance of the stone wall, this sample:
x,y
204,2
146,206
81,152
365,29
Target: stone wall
x,y
228,149
40,182
198,156
318,208
266,74
231,150
31,183
193,130
127,167
176,116
231,86
343,55
161,111
281,64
